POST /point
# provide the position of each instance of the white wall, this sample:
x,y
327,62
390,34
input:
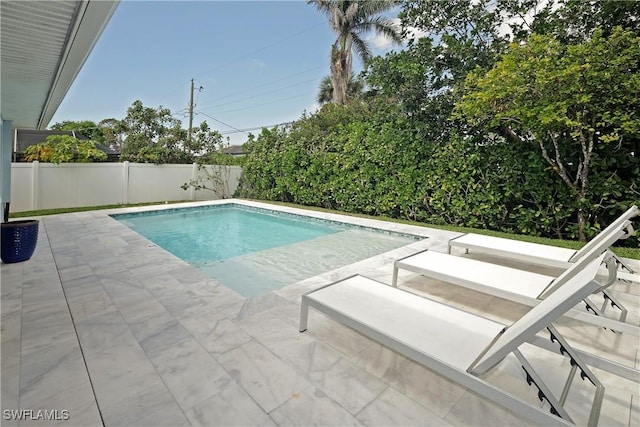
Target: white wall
x,y
153,183
47,186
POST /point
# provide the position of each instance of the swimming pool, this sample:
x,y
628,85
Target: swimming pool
x,y
252,250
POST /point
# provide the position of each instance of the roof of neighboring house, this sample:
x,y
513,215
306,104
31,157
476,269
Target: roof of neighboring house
x,y
28,137
235,150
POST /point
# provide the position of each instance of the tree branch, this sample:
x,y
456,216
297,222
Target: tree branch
x,y
555,164
509,134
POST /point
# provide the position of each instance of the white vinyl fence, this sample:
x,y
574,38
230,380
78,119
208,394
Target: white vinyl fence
x,y
46,186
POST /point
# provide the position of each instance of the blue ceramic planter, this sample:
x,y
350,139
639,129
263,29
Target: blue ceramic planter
x,y
19,240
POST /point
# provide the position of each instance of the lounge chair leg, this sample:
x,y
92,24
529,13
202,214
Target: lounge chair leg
x,y
544,393
624,266
585,373
615,303
394,280
621,265
593,309
304,315
567,384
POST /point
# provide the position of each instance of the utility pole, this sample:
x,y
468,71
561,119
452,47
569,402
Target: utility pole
x,y
190,112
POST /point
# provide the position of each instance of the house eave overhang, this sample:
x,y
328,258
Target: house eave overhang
x,y
44,45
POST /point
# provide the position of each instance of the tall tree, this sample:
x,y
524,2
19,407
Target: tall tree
x,y
205,142
465,34
468,34
350,20
571,101
114,133
572,21
153,135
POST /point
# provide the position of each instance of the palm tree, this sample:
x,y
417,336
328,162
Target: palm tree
x,y
355,88
350,20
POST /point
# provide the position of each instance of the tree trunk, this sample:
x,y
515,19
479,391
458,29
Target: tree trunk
x,y
340,73
339,94
581,183
582,222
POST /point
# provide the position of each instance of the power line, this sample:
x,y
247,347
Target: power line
x,y
258,94
265,103
248,54
220,121
246,130
263,48
271,82
256,128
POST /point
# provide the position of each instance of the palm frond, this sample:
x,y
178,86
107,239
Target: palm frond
x,y
355,89
362,48
352,12
325,90
380,25
324,6
370,8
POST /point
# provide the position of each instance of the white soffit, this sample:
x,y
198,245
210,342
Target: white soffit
x,y
43,46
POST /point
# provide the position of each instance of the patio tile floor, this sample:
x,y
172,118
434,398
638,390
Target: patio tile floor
x,y
118,332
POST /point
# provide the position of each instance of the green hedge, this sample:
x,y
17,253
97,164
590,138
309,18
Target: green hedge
x,y
373,159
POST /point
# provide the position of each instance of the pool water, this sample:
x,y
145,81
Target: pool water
x,y
254,251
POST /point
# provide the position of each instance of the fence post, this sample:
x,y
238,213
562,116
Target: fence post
x,y
194,175
35,185
125,182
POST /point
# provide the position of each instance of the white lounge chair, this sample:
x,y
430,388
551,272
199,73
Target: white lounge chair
x,y
551,256
521,286
463,346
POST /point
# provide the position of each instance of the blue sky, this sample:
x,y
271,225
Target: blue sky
x,y
258,62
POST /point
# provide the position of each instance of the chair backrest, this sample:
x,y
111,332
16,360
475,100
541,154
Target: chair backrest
x,y
580,285
595,251
609,235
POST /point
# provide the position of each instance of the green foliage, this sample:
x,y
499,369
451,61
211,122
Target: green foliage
x,y
206,142
149,135
419,88
355,89
153,135
572,101
214,171
114,133
86,128
573,21
368,159
65,149
469,32
474,33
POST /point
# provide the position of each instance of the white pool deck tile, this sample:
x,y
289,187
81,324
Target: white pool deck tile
x,y
118,332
